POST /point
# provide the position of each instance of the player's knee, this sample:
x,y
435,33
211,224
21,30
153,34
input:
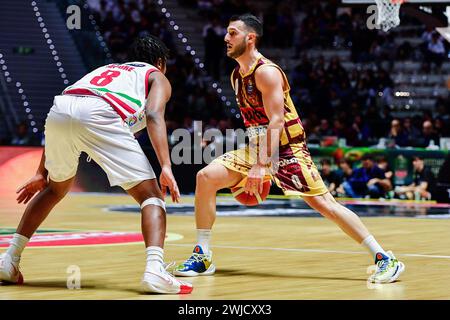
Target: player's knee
x,y
145,190
57,192
154,201
204,178
330,211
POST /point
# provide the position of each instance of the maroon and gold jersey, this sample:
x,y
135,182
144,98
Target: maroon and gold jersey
x,y
250,102
294,172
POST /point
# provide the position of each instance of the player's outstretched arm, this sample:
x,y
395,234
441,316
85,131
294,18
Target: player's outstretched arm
x,y
160,92
37,183
269,82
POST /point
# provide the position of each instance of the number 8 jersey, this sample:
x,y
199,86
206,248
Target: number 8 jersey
x,y
123,86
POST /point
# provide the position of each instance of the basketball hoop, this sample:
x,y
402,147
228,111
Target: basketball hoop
x,y
388,13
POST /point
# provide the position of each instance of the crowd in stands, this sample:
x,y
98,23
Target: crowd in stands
x,y
355,106
373,178
331,100
352,105
306,24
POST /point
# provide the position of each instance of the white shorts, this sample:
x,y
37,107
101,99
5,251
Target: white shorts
x,y
75,124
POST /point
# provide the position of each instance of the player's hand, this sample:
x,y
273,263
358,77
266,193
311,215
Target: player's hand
x,y
255,179
373,181
28,189
167,181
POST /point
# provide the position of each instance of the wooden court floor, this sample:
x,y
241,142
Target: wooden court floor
x,y
256,257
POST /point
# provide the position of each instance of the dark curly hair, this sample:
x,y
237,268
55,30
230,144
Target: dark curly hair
x,y
148,49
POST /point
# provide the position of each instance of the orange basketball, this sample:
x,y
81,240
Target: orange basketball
x,y
251,200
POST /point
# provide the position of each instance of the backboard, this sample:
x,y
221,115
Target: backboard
x,y
435,13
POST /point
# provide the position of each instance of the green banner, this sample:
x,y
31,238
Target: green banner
x,y
400,160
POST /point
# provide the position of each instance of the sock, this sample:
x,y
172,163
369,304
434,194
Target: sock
x,y
154,258
203,238
16,245
372,245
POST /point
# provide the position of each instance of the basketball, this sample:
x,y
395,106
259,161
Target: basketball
x,y
251,200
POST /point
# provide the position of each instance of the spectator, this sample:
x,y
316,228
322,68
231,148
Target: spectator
x,y
324,129
410,131
213,34
440,127
338,128
427,35
423,183
336,71
384,84
367,181
396,133
329,177
436,50
344,173
383,164
428,135
22,135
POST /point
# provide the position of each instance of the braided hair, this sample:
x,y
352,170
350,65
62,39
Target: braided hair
x,y
148,49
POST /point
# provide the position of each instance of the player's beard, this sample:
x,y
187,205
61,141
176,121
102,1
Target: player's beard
x,y
238,50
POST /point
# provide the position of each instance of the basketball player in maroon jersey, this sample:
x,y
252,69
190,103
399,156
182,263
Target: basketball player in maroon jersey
x,y
262,94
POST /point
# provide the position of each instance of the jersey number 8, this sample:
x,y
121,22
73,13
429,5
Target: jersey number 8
x,y
105,78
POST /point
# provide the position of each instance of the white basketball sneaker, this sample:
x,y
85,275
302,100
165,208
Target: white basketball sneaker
x,y
162,281
9,269
388,268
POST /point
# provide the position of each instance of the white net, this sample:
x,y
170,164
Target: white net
x,y
388,13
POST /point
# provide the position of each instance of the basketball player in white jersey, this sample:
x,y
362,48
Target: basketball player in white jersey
x,y
98,115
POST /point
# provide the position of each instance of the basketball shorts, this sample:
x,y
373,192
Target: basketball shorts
x,y
78,124
294,172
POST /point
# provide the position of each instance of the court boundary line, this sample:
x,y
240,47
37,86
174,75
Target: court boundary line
x,y
343,200
415,255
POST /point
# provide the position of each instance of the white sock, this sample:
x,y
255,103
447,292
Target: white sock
x,y
372,245
16,245
203,239
154,258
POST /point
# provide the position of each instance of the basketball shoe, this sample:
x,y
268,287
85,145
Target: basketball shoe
x,y
388,268
199,264
161,281
9,269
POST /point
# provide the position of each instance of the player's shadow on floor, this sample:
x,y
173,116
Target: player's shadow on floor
x,y
235,272
85,285
53,284
141,292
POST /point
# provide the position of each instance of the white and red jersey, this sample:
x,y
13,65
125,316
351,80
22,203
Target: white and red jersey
x,y
124,86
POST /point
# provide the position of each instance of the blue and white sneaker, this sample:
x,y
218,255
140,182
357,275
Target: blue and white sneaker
x,y
388,268
199,264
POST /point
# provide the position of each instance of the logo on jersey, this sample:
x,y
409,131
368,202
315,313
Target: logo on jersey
x,y
135,64
58,238
253,132
132,121
286,162
141,115
250,87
